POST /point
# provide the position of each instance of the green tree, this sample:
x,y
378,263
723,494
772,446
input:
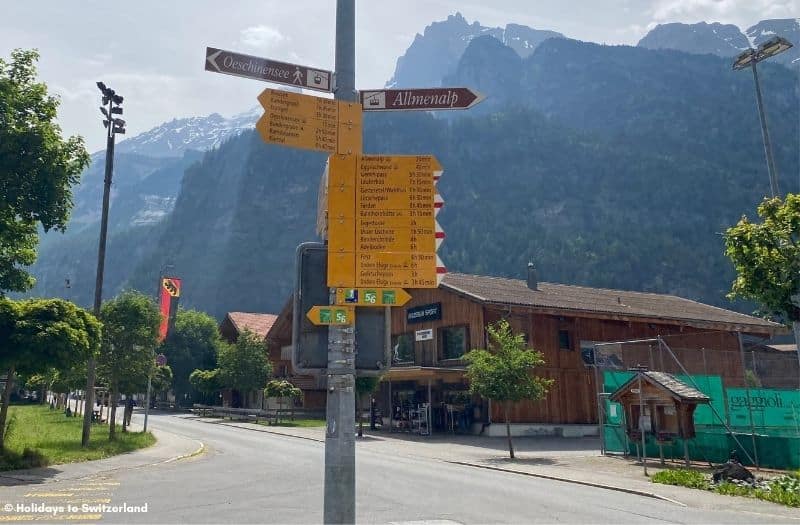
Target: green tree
x,y
282,390
766,256
162,380
37,168
245,366
364,385
37,334
504,373
130,336
193,343
207,382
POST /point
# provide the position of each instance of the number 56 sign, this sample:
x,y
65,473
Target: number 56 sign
x,y
332,315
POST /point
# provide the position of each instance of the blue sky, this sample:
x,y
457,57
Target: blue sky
x,y
152,51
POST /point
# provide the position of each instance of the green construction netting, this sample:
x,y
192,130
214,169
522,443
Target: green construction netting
x,y
776,421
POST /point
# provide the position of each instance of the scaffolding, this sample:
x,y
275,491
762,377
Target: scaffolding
x,y
755,404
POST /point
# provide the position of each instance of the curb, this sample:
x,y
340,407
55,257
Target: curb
x,y
267,431
22,481
201,449
570,480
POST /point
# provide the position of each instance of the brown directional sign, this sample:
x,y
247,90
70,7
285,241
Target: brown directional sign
x,y
303,121
237,64
419,99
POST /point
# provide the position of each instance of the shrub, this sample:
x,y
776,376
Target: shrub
x,y
32,458
682,478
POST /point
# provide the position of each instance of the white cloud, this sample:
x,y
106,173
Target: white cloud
x,y
260,37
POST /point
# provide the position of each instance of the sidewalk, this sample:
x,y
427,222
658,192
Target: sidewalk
x,y
168,447
572,460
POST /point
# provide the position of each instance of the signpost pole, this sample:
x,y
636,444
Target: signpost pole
x,y
147,400
340,449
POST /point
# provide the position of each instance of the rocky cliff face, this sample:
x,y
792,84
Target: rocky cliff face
x,y
435,54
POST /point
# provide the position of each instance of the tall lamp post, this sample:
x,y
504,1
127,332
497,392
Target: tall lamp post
x,y
751,58
114,125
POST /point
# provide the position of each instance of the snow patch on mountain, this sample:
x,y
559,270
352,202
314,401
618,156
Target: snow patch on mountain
x,y
173,138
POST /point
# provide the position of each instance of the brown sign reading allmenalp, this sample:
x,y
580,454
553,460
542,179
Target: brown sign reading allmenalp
x,y
237,64
419,99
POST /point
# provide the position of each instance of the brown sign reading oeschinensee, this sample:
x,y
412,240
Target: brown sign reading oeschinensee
x,y
237,64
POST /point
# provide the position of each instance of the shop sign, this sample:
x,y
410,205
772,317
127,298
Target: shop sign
x,y
423,335
424,313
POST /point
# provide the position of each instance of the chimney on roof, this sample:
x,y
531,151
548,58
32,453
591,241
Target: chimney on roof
x,y
533,277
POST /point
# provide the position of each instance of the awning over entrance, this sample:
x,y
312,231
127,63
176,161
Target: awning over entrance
x,y
417,373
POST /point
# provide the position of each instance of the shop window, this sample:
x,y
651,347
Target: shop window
x,y
453,342
403,348
564,340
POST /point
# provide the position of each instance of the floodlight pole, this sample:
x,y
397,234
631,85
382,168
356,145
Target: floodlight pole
x,y
101,259
773,175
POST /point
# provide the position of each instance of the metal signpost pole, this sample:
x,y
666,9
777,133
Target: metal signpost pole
x,y
340,446
147,400
641,423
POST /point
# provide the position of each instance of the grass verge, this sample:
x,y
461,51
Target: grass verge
x,y
305,423
784,490
37,436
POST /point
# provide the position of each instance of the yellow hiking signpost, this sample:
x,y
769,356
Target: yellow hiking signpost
x,y
382,229
315,123
378,213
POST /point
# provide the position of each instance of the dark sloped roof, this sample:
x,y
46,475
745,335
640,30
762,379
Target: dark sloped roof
x,y
676,386
668,382
500,290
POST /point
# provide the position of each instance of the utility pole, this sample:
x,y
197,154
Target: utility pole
x,y
113,126
340,439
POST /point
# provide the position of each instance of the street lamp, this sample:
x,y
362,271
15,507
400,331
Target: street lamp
x,y
111,106
751,58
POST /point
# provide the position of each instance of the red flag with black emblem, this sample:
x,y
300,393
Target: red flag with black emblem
x,y
168,303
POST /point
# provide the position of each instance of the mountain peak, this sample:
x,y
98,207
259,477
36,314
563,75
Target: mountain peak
x,y
725,40
434,54
174,138
701,38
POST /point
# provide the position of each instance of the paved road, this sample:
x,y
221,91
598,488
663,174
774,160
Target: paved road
x,y
255,477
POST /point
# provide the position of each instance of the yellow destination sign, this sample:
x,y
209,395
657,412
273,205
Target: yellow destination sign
x,y
412,270
303,121
382,230
332,315
373,238
372,296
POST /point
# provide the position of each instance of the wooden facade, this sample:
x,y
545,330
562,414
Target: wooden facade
x,y
573,396
426,371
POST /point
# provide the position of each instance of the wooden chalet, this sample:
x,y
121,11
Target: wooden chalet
x,y
431,333
230,328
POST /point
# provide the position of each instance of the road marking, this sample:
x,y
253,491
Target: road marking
x,y
48,494
49,517
89,500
